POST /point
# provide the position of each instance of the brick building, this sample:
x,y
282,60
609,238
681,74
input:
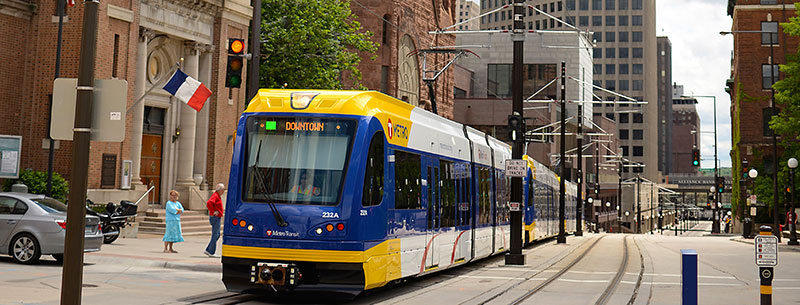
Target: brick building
x,y
401,27
750,83
140,42
685,132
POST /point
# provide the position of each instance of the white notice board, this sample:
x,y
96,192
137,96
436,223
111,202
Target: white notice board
x,y
10,152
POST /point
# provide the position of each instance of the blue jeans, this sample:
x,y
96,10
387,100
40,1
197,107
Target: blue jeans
x,y
212,245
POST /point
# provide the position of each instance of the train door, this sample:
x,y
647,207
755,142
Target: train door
x,y
463,219
431,183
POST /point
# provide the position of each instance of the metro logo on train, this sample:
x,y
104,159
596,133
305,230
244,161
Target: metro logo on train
x,y
359,189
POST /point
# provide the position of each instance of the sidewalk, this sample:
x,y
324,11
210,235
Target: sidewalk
x,y
782,246
146,251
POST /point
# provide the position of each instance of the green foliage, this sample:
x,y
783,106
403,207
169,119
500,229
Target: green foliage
x,y
311,44
787,90
37,183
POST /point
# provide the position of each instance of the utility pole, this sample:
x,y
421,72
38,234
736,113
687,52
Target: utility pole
x,y
72,274
51,151
254,66
638,205
619,195
597,180
562,237
515,256
580,203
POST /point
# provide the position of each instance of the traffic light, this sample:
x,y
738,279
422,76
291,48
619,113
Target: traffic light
x,y
720,184
233,74
745,169
516,127
695,157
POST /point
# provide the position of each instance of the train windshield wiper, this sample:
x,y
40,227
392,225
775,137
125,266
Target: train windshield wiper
x,y
260,179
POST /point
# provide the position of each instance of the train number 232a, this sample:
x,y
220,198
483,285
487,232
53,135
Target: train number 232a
x,y
330,215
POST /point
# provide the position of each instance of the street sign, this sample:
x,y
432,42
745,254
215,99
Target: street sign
x,y
753,199
108,109
753,211
516,168
10,154
513,206
463,206
766,250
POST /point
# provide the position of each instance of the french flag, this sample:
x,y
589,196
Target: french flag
x,y
188,90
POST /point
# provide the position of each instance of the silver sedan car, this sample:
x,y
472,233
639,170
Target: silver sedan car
x,y
33,225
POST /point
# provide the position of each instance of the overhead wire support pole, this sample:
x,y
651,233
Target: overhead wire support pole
x,y
579,203
515,255
254,66
72,274
562,238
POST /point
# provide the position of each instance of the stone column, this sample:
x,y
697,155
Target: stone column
x,y
187,125
138,109
201,142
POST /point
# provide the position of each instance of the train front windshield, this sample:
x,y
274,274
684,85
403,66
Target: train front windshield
x,y
296,160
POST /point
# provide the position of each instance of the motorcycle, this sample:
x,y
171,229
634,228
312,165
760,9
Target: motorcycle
x,y
114,219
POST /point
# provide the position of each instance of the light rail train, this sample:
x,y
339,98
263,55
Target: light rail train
x,y
350,190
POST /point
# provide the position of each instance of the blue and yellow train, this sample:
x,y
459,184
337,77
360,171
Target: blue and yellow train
x,y
350,190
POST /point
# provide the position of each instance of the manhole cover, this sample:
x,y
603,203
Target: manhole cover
x,y
89,286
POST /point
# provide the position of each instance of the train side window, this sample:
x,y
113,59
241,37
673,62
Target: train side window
x,y
447,193
373,175
407,180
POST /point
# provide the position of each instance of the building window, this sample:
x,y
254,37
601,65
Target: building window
x,y
610,115
623,69
385,79
623,21
570,5
771,27
769,1
636,4
537,24
597,20
552,23
115,58
638,151
559,6
552,7
623,52
598,69
636,20
610,4
623,118
583,20
611,85
611,52
638,52
623,4
625,149
597,5
583,5
611,20
459,93
597,36
638,134
766,115
597,53
638,69
611,69
638,118
638,169
623,85
637,36
571,20
766,82
610,36
597,83
637,85
623,36
535,76
623,134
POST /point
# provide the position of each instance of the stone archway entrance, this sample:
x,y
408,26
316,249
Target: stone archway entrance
x,y
407,72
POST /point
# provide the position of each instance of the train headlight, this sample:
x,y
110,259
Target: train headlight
x,y
319,231
301,100
250,228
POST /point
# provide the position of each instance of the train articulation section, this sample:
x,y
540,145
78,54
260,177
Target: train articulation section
x,y
351,190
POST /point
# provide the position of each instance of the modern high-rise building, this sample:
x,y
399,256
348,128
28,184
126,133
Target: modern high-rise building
x,y
625,61
468,9
685,135
664,105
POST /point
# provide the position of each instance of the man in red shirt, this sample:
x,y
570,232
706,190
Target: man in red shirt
x,y
214,206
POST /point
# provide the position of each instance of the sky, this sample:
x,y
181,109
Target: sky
x,y
701,62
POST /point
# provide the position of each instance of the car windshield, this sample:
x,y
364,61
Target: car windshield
x,y
50,205
296,160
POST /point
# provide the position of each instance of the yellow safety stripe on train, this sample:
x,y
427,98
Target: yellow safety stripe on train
x,y
394,115
530,229
381,263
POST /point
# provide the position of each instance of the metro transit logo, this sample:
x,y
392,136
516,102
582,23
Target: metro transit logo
x,y
396,129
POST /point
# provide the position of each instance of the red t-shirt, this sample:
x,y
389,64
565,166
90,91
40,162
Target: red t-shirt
x,y
214,204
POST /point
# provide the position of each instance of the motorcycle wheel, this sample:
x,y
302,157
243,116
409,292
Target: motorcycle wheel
x,y
107,239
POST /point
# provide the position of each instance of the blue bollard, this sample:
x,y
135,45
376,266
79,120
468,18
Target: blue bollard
x,y
689,277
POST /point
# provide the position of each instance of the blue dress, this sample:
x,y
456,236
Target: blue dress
x,y
173,231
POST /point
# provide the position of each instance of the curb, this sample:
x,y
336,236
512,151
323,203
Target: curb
x,y
197,267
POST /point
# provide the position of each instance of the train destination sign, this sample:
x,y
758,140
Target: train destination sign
x,y
766,250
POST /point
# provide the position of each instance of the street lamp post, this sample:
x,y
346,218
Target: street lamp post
x,y
753,173
775,230
792,234
718,197
608,207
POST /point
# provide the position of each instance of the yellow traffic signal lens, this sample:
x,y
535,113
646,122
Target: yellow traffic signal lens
x,y
237,46
236,64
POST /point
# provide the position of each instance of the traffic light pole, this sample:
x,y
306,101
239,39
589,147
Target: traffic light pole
x,y
254,66
72,274
717,194
51,150
562,237
515,256
580,203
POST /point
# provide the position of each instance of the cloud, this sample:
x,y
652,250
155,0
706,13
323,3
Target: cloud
x,y
701,63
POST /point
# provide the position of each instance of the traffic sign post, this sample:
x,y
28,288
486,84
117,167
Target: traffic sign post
x,y
766,247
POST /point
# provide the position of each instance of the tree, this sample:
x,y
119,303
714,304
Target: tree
x,y
787,90
311,44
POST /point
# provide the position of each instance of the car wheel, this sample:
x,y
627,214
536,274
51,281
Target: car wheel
x,y
59,258
25,249
107,239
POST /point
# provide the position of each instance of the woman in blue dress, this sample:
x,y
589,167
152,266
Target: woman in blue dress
x,y
173,233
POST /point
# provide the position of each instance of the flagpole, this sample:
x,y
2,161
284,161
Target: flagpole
x,y
174,68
